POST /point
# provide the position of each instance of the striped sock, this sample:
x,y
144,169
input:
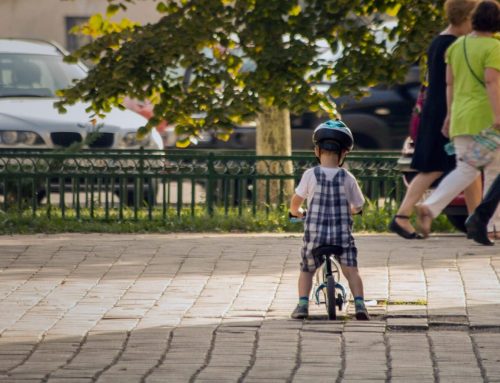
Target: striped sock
x,y
303,301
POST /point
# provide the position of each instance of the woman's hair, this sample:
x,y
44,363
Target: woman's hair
x,y
458,11
486,17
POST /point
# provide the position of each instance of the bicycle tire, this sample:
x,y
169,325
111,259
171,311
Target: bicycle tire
x,y
321,273
330,298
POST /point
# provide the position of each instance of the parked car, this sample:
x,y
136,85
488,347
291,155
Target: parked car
x,y
31,72
456,211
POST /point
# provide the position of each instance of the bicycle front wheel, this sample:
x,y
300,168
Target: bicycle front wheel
x,y
330,298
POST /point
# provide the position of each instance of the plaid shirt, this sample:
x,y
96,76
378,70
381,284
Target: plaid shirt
x,y
328,221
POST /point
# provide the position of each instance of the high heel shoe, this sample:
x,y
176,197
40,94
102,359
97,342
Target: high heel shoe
x,y
399,230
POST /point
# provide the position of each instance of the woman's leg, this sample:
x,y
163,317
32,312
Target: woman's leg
x,y
414,193
448,188
455,182
477,223
490,174
473,194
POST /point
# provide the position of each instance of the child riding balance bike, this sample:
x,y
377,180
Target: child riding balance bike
x,y
332,195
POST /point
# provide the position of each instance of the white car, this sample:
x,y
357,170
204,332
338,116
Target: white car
x,y
31,72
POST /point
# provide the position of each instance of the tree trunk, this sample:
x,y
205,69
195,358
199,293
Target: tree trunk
x,y
274,138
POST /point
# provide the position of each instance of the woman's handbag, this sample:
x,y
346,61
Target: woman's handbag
x,y
417,112
483,148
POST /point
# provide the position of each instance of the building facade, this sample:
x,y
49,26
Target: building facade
x,y
52,19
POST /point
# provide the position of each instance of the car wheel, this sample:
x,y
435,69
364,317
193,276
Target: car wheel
x,y
458,222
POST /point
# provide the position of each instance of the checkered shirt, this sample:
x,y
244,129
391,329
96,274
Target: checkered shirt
x,y
328,221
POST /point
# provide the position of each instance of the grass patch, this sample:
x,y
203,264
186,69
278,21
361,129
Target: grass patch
x,y
418,302
373,220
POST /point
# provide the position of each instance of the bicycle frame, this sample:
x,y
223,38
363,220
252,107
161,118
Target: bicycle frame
x,y
326,270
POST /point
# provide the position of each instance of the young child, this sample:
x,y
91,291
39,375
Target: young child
x,y
332,195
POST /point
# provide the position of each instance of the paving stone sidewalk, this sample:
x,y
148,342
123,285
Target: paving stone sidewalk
x,y
215,308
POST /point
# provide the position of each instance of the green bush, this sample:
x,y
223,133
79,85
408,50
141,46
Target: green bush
x,y
373,220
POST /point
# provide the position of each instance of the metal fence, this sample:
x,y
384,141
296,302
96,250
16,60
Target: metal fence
x,y
157,185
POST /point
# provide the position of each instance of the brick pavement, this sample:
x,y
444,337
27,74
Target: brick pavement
x,y
215,308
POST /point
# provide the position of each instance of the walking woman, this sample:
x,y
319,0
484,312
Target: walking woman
x,y
473,98
429,158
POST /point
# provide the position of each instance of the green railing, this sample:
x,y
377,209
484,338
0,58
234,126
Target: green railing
x,y
158,185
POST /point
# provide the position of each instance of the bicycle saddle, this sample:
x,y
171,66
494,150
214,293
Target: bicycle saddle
x,y
327,250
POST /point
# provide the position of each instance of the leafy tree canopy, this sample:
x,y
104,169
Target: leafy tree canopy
x,y
246,53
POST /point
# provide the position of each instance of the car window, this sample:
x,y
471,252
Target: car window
x,y
24,75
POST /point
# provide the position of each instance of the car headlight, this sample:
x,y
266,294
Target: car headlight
x,y
130,139
15,137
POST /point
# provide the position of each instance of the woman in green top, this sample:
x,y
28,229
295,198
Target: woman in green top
x,y
473,97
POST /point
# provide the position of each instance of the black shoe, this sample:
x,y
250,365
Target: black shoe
x,y
396,228
362,313
300,312
476,230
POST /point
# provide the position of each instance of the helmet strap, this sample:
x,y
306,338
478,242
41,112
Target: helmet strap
x,y
342,157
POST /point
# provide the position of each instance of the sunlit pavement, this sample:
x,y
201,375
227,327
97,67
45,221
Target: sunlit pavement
x,y
185,308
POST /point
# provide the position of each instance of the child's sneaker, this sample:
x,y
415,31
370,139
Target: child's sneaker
x,y
362,313
300,312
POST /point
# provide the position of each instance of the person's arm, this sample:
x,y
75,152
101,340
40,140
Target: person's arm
x,y
301,193
356,210
354,195
295,204
449,100
492,81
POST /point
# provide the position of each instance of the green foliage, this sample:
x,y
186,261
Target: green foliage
x,y
216,40
373,220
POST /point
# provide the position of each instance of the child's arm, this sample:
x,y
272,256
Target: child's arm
x,y
354,195
295,204
356,210
300,194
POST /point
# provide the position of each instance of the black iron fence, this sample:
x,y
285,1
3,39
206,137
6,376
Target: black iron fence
x,y
157,185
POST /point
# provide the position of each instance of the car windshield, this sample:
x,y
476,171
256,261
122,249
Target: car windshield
x,y
33,75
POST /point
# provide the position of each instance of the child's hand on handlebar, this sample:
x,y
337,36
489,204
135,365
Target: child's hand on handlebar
x,y
298,216
300,213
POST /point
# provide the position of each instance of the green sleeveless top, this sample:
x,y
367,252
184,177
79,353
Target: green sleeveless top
x,y
471,110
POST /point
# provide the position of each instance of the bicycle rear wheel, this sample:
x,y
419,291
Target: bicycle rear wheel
x,y
330,298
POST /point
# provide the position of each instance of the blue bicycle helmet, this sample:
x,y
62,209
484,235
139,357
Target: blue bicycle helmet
x,y
333,130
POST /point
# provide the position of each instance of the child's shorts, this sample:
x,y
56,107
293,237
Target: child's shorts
x,y
310,263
